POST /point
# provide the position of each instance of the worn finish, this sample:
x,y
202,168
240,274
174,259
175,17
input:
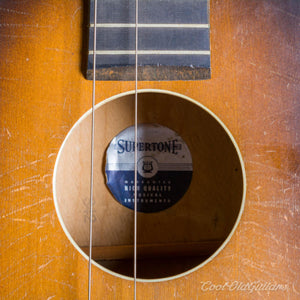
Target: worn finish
x,y
254,90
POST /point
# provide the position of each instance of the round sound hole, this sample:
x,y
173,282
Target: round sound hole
x,y
177,231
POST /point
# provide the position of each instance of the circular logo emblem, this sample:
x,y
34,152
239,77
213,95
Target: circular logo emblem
x,y
164,167
147,166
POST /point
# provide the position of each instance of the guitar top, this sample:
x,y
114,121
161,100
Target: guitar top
x,y
253,88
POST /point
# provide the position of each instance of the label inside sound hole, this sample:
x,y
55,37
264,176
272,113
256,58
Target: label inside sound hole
x,y
164,167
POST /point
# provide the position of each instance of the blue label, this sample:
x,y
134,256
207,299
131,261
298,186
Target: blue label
x,y
164,167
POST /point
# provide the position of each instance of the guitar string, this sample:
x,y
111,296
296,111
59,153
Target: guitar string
x,y
92,154
92,151
135,152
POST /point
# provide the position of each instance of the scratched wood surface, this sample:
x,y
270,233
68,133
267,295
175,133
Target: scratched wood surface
x,y
254,89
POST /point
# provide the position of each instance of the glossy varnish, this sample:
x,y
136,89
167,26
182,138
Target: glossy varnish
x,y
253,89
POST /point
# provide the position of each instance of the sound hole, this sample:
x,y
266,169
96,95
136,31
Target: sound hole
x,y
172,241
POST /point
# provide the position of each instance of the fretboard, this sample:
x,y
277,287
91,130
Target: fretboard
x,y
173,40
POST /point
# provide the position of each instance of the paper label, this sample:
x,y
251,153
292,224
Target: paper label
x,y
164,167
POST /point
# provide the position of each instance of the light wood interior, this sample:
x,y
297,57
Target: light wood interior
x,y
185,234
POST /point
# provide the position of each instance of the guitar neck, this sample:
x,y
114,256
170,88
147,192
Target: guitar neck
x,y
173,40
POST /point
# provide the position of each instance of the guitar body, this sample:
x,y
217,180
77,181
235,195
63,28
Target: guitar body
x,y
254,89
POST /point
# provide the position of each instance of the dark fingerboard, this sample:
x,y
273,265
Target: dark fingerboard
x,y
173,40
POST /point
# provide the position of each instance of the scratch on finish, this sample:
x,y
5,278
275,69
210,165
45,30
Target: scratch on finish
x,y
15,187
295,79
17,241
294,290
262,268
59,50
62,283
74,14
26,221
23,25
284,12
21,167
40,268
16,79
264,165
26,207
48,4
5,133
22,188
28,277
8,10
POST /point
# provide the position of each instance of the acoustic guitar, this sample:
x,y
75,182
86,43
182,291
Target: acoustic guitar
x,y
217,86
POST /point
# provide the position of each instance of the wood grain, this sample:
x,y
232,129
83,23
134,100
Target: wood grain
x,y
254,89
